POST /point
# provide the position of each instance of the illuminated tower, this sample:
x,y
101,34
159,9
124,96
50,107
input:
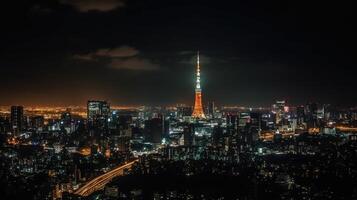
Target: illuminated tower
x,y
198,110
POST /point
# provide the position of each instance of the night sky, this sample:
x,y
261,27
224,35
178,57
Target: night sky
x,y
64,52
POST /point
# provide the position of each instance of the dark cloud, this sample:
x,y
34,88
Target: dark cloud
x,y
95,5
123,57
123,51
119,52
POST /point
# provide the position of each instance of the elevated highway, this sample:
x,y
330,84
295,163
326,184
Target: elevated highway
x,y
100,181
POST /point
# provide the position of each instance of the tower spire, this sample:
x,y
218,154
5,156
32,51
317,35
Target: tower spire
x,y
198,58
198,73
198,110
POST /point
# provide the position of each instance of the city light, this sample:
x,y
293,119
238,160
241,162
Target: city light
x,y
124,99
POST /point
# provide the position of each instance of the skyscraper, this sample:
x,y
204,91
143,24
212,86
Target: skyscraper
x,y
278,109
300,114
97,108
154,129
197,109
98,113
17,115
211,109
37,122
189,135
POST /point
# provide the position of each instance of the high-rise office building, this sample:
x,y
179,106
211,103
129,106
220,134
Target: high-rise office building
x,y
244,118
98,114
97,108
300,114
232,121
154,129
4,125
279,109
37,122
255,126
17,118
311,114
217,136
189,135
211,109
198,109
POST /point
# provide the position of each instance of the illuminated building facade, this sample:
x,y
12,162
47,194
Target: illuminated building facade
x,y
278,109
97,108
198,109
98,113
17,117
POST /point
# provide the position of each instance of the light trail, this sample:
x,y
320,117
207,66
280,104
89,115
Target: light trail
x,y
100,181
346,128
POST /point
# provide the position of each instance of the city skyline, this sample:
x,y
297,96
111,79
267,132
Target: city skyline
x,y
253,53
178,99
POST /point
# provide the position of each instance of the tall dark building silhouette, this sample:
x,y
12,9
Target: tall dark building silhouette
x,y
17,119
300,114
311,114
98,114
154,129
4,125
211,109
189,135
37,122
254,127
217,136
232,121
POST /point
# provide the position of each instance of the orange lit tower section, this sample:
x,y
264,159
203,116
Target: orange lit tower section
x,y
198,110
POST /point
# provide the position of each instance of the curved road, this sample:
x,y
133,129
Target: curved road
x,y
100,181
